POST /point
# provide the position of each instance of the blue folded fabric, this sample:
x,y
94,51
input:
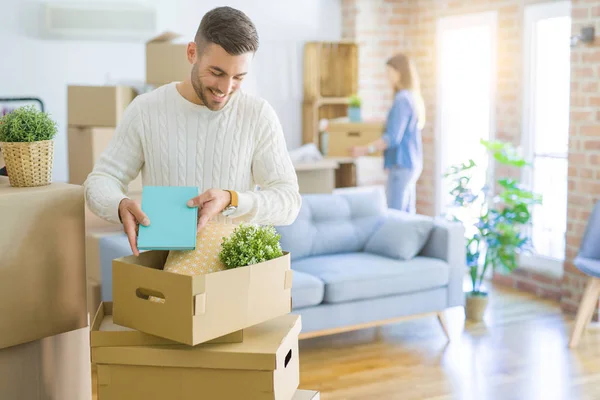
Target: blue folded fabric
x,y
173,225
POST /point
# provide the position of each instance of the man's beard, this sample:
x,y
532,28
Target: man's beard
x,y
201,90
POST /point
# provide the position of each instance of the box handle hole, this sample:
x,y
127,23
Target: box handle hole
x,y
288,357
145,294
356,134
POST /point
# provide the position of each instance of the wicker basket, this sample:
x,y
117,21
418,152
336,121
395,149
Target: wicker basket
x,y
29,164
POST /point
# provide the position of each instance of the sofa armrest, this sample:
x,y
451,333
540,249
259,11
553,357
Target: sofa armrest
x,y
447,242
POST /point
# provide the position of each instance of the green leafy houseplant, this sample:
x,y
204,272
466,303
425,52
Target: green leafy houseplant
x,y
26,140
250,244
498,234
27,124
354,101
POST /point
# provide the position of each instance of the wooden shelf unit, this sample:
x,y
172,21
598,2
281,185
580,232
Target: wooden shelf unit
x,y
330,78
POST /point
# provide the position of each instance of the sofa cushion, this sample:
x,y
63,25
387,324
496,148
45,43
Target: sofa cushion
x,y
355,276
332,224
401,235
307,290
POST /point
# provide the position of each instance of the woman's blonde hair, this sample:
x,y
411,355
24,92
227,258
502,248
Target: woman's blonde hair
x,y
409,80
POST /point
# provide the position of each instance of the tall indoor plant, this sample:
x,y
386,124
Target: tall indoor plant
x,y
497,232
27,144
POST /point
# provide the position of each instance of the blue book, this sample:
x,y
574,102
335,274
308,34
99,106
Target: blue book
x,y
173,225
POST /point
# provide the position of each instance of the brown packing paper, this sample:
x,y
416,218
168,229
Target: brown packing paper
x,y
42,273
97,106
198,308
105,333
166,59
263,367
85,146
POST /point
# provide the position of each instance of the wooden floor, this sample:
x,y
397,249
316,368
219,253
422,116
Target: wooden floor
x,y
519,352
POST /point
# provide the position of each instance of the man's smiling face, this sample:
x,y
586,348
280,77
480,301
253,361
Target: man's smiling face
x,y
216,74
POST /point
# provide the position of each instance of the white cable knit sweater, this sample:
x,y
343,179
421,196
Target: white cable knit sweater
x,y
177,143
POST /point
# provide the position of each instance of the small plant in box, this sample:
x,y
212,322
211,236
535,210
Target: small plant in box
x,y
250,244
27,143
354,104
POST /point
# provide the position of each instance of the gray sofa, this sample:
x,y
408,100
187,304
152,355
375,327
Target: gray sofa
x,y
357,263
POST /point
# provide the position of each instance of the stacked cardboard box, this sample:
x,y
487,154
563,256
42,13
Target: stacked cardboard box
x,y
223,335
43,325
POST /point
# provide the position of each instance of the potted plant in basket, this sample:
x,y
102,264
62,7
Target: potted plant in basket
x,y
496,228
27,143
354,103
250,244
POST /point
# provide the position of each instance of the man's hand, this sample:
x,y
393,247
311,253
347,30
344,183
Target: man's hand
x,y
131,215
210,203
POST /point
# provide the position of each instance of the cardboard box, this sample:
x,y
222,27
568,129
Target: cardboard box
x,y
92,253
52,368
166,59
97,106
202,307
344,135
42,248
85,146
94,298
105,333
316,177
265,366
306,395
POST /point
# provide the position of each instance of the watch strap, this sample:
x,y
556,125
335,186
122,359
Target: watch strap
x,y
234,198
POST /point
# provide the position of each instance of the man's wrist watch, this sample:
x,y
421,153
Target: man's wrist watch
x,y
233,205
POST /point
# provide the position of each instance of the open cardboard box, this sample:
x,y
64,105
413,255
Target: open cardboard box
x,y
265,366
198,308
105,333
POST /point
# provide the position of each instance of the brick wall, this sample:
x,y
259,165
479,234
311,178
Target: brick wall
x,y
584,145
384,27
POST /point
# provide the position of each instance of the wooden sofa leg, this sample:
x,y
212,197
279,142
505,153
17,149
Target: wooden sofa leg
x,y
444,323
585,310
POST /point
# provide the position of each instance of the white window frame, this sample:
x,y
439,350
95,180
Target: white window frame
x,y
459,21
532,14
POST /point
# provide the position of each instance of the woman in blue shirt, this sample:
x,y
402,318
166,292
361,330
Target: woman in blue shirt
x,y
401,142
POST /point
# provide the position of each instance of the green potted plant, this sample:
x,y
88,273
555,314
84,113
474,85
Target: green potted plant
x,y
497,232
250,244
27,143
354,104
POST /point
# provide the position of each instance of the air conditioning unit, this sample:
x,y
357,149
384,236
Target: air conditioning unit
x,y
99,21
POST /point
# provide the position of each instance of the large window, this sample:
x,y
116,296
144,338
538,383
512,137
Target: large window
x,y
466,70
546,127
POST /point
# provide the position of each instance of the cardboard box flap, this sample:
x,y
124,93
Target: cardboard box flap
x,y
266,346
105,333
166,36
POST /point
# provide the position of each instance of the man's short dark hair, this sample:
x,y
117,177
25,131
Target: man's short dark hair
x,y
229,28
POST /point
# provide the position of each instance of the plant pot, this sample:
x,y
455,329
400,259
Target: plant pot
x,y
475,306
29,164
354,114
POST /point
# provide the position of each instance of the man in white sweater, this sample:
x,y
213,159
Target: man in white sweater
x,y
202,132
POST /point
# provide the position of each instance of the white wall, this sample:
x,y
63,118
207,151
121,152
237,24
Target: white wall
x,y
32,65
